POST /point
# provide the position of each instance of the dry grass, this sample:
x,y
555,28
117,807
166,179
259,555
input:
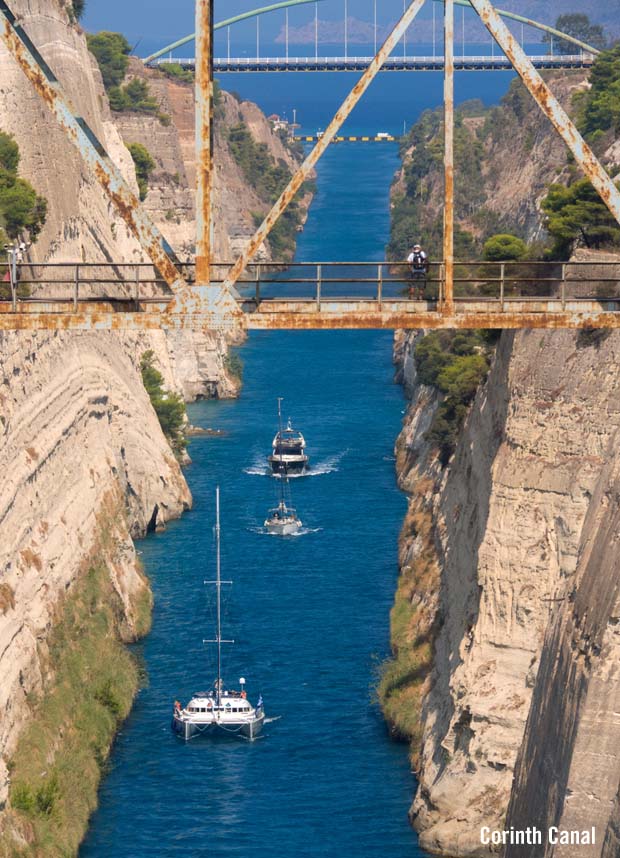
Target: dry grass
x,y
7,598
30,558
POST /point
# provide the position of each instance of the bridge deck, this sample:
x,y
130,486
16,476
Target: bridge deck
x,y
326,295
394,63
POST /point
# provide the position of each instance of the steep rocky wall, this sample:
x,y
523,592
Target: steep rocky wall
x,y
171,196
510,541
77,429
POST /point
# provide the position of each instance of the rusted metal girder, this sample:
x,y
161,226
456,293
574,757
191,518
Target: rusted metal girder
x,y
204,137
331,131
448,215
91,149
550,105
332,315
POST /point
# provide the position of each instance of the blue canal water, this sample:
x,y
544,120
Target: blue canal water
x,y
310,614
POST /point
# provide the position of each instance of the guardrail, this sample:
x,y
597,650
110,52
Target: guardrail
x,y
131,286
394,62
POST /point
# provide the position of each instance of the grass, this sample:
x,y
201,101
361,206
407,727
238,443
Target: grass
x,y
58,763
403,677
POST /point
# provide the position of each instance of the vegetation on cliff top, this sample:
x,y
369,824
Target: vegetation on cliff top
x,y
54,783
111,50
169,407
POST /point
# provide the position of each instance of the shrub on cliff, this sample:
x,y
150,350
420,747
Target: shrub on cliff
x,y
169,407
504,247
144,164
600,105
111,50
577,215
455,363
21,208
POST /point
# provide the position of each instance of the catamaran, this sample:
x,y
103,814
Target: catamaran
x,y
219,710
288,454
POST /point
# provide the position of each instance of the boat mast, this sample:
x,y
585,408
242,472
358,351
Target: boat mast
x,y
218,584
283,474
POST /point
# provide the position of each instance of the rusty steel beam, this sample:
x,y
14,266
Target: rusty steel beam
x,y
204,137
549,104
91,149
332,129
448,215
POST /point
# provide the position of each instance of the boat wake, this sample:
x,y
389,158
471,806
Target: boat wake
x,y
304,531
271,720
259,468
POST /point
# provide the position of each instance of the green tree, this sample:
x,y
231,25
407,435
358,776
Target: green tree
x,y
577,214
580,27
169,407
78,8
504,248
601,111
111,50
144,164
9,153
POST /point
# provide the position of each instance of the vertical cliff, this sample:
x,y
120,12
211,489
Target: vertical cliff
x,y
521,520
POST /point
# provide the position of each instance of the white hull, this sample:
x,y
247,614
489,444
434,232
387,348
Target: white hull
x,y
188,727
287,528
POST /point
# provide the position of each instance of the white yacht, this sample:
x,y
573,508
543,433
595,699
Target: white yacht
x,y
282,520
288,454
219,710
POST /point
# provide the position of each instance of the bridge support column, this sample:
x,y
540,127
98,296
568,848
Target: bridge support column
x,y
448,220
204,138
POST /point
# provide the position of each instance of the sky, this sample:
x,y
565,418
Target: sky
x,y
175,18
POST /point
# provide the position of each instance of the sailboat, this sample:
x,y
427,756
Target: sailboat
x,y
288,454
219,710
282,519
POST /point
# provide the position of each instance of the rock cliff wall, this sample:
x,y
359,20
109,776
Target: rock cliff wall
x,y
521,526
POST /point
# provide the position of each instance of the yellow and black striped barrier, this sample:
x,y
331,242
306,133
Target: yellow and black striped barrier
x,y
379,138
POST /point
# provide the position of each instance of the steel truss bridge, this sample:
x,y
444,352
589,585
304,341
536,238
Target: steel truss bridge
x,y
359,64
325,295
209,295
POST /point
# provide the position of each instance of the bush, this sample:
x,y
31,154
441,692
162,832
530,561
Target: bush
x,y
111,50
600,106
20,206
455,363
504,248
144,164
580,27
234,365
576,214
169,407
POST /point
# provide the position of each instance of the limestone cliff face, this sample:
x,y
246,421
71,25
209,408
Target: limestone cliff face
x,y
79,441
522,520
171,196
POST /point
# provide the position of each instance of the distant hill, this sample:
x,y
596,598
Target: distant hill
x,y
362,32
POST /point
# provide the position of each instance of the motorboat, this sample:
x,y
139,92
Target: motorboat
x,y
220,710
288,454
282,520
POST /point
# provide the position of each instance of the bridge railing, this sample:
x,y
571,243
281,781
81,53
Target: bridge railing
x,y
135,285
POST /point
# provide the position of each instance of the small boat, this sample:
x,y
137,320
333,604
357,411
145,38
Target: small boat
x,y
220,710
282,520
288,449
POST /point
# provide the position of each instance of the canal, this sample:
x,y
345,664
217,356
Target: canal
x,y
310,615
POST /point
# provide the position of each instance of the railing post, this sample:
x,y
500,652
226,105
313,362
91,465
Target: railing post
x,y
502,285
563,288
76,287
137,286
257,293
442,280
319,274
12,279
380,284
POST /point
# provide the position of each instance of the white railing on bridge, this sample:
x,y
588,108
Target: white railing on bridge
x,y
583,58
